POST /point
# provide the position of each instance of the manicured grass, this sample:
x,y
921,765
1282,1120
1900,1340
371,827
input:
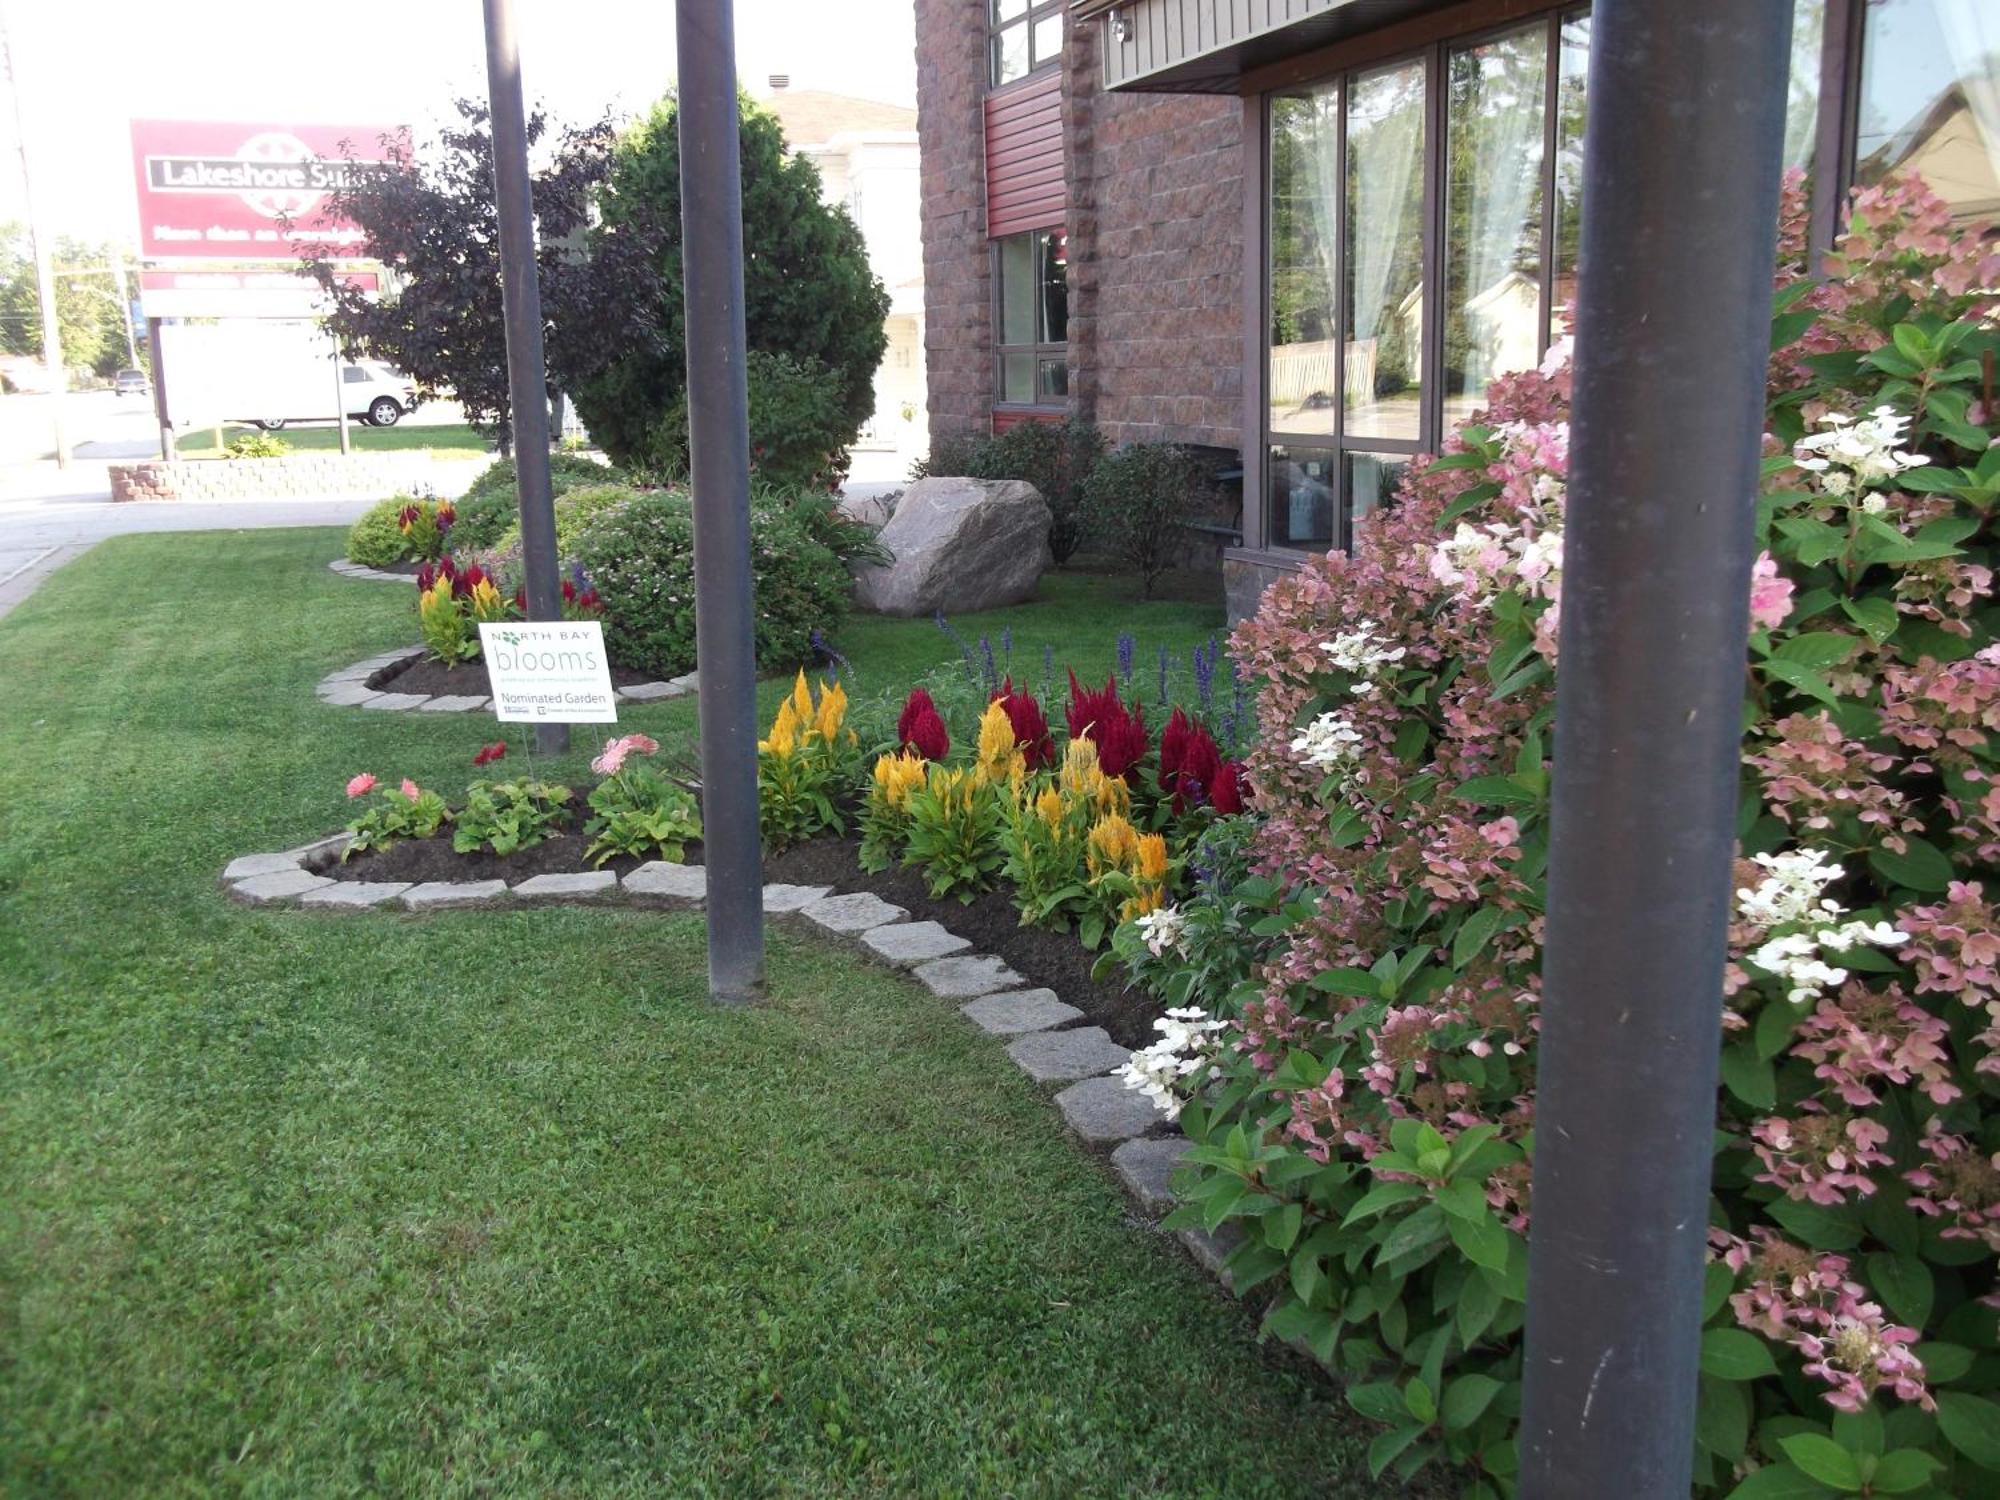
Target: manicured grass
x,y
494,1203
451,441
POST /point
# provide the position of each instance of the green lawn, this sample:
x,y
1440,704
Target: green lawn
x,y
494,1203
452,441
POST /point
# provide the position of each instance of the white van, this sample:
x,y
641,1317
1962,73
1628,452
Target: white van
x,y
376,394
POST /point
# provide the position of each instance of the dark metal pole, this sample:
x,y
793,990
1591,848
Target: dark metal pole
x,y
1681,169
521,303
719,447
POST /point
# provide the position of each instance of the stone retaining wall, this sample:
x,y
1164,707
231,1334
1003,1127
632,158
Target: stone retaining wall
x,y
361,476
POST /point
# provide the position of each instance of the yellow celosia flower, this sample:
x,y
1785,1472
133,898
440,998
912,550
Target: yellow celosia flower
x,y
832,709
485,597
1149,857
1079,775
437,597
784,730
896,776
999,758
1051,807
1113,842
801,701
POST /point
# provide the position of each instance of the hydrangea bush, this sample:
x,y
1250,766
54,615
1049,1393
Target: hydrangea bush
x,y
1365,1118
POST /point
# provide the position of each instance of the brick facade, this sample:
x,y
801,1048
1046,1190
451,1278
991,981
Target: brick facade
x,y
1155,225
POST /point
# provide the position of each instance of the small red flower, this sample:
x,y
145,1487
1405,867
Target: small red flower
x,y
1190,765
928,736
1226,796
1029,723
490,753
1118,732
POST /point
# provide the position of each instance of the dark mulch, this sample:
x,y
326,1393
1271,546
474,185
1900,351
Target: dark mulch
x,y
422,675
435,859
991,924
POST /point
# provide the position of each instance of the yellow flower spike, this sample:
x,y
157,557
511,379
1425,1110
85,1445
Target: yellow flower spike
x,y
801,701
1051,807
1079,773
1112,843
1149,857
832,709
999,758
784,731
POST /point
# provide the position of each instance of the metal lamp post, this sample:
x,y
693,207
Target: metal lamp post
x,y
1680,198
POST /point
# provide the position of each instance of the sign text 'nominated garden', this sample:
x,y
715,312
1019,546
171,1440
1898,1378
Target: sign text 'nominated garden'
x,y
553,672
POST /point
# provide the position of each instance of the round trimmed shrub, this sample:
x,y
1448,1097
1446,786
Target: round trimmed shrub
x,y
490,506
574,509
375,540
640,558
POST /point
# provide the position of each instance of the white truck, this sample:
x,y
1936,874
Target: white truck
x,y
271,371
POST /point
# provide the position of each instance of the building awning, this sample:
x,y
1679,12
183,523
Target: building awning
x,y
1206,46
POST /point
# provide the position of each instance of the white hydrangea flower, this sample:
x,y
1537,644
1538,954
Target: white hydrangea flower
x,y
1850,455
1791,891
1159,1071
1163,929
1361,652
1794,958
1330,742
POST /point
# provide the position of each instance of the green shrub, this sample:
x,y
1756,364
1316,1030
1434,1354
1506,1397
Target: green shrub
x,y
376,540
490,504
256,445
1134,503
948,456
640,559
799,431
574,509
1057,459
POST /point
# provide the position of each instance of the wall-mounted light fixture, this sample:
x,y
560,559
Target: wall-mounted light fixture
x,y
1121,26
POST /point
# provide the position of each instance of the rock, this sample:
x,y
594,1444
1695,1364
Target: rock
x,y
354,893
1147,1167
661,878
1052,1056
1102,1110
322,852
868,510
854,913
243,867
646,692
433,894
907,943
349,695
393,702
959,545
1213,1250
1025,1010
785,898
582,884
286,885
453,703
967,978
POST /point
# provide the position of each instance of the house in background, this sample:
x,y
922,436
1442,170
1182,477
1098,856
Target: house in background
x,y
1311,231
866,152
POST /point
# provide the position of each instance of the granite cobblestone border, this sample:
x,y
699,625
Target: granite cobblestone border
x,y
1038,1031
347,569
348,688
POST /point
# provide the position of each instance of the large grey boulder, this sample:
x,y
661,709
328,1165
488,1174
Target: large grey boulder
x,y
959,545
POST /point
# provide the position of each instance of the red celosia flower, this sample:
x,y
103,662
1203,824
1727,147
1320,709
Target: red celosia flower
x,y
1118,732
490,753
927,735
920,728
407,517
1226,796
446,514
569,590
1190,765
1030,725
462,584
521,600
589,602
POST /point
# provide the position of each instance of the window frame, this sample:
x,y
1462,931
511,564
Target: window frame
x,y
1033,13
1041,349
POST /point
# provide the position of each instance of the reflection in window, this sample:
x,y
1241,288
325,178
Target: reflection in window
x,y
1930,99
1305,174
1032,271
1372,482
1493,215
1383,360
1302,496
1573,65
1802,88
1022,37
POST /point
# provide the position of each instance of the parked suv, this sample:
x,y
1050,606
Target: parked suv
x,y
376,394
132,383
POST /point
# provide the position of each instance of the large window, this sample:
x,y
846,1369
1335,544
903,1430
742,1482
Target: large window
x,y
1930,99
1032,273
1024,35
1423,225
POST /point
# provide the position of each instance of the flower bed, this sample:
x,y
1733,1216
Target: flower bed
x,y
1354,1045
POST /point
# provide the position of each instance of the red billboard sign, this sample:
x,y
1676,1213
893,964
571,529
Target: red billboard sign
x,y
222,190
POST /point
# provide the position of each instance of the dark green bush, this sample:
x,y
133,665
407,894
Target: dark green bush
x,y
799,428
1135,501
375,540
490,505
640,558
1056,458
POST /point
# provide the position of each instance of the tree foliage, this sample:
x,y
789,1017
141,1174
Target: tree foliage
x,y
808,290
432,222
89,320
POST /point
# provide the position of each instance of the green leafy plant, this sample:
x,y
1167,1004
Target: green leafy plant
x,y
1058,459
800,427
954,835
805,766
638,811
398,812
491,504
1135,501
452,603
256,445
509,816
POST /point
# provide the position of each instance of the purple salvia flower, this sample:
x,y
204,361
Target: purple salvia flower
x,y
1125,648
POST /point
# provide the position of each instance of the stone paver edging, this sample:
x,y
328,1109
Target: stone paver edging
x,y
348,688
348,569
1038,1031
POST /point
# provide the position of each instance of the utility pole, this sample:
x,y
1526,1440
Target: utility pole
x,y
45,280
521,303
719,453
1682,155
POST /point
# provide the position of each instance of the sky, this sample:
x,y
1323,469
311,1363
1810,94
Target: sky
x,y
86,68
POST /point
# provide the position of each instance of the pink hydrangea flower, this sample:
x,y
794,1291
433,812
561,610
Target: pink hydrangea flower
x,y
1770,594
361,785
